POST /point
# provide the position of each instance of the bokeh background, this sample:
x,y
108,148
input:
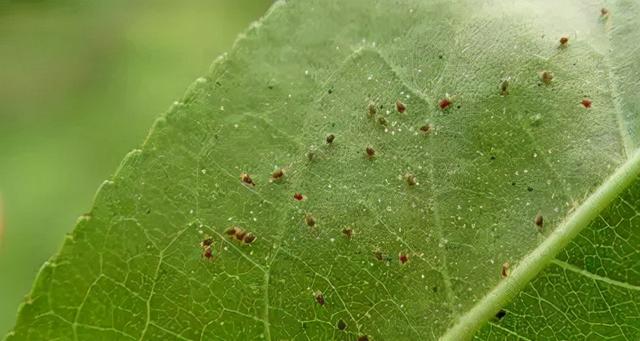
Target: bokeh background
x,y
80,85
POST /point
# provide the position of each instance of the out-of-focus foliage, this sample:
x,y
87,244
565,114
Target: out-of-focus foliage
x,y
80,83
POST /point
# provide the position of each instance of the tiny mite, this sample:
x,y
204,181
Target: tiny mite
x,y
370,152
546,77
247,179
564,41
348,232
298,196
378,254
403,258
207,253
372,109
206,242
504,273
426,129
330,138
249,238
539,220
382,120
310,220
444,103
604,12
277,174
363,338
586,103
401,107
240,234
504,87
232,231
319,297
411,179
342,325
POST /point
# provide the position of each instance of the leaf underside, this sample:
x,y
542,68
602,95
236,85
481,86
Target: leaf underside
x,y
133,269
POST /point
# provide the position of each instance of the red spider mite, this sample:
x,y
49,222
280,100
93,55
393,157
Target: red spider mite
x,y
586,103
444,103
298,196
403,258
401,107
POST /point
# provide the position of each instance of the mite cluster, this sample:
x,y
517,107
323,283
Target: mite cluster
x,y
240,234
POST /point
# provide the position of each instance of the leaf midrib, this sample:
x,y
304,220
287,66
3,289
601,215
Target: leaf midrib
x,y
541,256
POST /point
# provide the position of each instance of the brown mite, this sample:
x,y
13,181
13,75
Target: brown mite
x,y
277,174
319,297
363,338
372,109
247,179
403,257
342,325
604,12
426,129
504,87
207,252
310,220
206,242
249,238
444,103
539,220
240,234
370,152
232,231
564,41
348,232
382,120
298,196
586,103
401,107
411,179
504,273
546,77
330,138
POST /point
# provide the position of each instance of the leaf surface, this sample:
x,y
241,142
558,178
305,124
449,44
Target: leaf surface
x,y
134,268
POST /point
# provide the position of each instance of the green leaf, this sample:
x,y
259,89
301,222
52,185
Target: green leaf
x,y
458,201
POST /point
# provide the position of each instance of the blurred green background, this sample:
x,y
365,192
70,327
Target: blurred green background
x,y
80,85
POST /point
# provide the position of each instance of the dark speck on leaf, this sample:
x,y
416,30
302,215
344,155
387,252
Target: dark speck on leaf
x,y
500,314
493,157
342,325
513,184
363,338
434,289
440,56
330,91
530,189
